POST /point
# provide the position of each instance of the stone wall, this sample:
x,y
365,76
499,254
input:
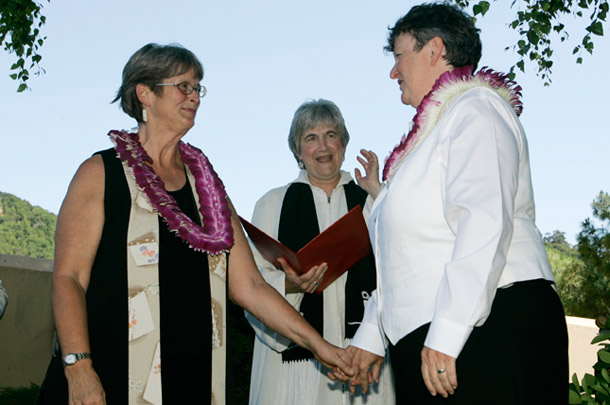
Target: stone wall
x,y
582,353
26,329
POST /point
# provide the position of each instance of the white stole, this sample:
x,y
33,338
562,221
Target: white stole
x,y
143,287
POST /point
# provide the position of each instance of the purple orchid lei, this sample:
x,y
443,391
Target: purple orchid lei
x,y
216,234
449,85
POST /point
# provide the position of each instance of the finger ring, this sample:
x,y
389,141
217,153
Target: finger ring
x,y
316,283
441,370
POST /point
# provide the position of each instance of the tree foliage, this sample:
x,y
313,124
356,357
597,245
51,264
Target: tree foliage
x,y
594,250
25,230
582,272
20,24
537,21
595,389
568,270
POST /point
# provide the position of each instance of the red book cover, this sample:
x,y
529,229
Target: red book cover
x,y
341,246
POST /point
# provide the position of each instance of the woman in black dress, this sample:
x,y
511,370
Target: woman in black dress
x,y
141,268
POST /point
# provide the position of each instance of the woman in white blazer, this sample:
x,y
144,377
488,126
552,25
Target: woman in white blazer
x,y
465,294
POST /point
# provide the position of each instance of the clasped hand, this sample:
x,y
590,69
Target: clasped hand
x,y
438,370
366,366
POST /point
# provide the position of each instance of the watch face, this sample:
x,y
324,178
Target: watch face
x,y
70,359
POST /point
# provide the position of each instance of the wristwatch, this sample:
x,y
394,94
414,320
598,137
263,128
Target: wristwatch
x,y
72,358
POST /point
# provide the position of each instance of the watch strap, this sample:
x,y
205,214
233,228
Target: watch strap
x,y
67,359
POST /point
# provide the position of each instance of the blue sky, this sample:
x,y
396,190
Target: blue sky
x,y
262,60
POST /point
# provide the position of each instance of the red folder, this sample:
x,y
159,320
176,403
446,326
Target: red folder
x,y
341,246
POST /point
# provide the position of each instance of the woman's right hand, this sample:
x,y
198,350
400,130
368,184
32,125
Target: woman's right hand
x,y
370,181
84,385
306,282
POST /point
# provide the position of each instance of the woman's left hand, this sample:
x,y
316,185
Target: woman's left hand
x,y
306,282
330,356
370,182
438,371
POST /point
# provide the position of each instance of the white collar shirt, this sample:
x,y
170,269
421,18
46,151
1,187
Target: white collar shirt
x,y
455,224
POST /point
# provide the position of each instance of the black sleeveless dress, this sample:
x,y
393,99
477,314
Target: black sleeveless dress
x,y
185,314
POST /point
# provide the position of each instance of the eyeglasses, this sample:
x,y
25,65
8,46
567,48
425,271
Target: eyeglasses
x,y
186,88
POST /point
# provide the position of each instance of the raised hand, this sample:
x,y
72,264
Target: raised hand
x,y
370,181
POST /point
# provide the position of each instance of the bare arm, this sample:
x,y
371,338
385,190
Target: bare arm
x,y
79,229
248,289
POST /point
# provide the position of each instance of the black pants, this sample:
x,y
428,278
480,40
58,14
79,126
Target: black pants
x,y
519,356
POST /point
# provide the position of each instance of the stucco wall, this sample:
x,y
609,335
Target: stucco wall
x,y
26,329
582,353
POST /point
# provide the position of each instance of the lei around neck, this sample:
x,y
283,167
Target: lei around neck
x,y
216,234
446,88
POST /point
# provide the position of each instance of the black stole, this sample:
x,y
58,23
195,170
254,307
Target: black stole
x,y
298,226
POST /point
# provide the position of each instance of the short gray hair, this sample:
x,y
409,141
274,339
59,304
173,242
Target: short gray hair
x,y
150,65
311,114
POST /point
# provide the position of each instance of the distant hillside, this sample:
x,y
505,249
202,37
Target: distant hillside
x,y
25,230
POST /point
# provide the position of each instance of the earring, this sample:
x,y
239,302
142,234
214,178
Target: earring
x,y
144,115
301,165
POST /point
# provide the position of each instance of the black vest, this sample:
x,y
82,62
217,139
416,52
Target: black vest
x,y
299,225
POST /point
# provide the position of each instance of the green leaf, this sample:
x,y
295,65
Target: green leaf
x,y
599,389
599,338
604,355
574,398
605,375
596,28
575,381
22,87
588,379
13,76
590,47
533,37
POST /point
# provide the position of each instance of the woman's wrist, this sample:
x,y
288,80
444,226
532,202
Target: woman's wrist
x,y
78,368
